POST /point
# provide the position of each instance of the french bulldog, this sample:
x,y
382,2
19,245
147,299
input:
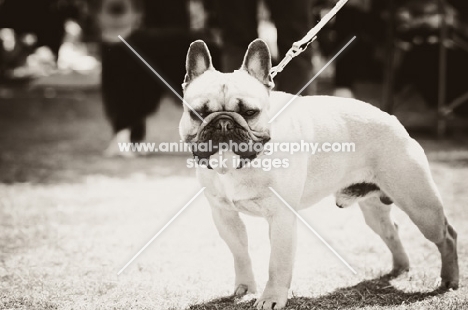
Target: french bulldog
x,y
387,167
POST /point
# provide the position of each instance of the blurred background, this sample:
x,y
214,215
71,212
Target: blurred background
x,y
67,81
70,89
73,212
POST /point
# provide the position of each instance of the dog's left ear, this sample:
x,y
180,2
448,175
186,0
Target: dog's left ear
x,y
257,62
198,61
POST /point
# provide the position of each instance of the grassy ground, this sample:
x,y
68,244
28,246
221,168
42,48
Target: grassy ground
x,y
70,219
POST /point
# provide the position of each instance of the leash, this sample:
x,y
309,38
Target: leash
x,y
301,45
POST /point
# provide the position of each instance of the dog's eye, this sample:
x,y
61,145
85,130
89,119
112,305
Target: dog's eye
x,y
193,115
250,113
202,114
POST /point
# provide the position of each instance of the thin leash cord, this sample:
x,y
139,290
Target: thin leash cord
x,y
301,45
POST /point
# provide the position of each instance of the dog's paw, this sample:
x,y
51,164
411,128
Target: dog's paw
x,y
243,289
399,270
272,298
448,284
246,286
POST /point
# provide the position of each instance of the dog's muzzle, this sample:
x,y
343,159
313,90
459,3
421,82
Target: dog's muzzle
x,y
230,129
224,125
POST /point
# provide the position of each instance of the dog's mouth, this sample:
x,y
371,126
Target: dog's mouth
x,y
228,131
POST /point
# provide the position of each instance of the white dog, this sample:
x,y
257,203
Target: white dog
x,y
387,166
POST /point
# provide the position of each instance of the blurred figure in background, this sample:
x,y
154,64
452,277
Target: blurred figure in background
x,y
43,18
32,27
41,38
418,33
363,19
239,23
160,32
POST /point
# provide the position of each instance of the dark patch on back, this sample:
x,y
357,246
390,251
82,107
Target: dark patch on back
x,y
360,189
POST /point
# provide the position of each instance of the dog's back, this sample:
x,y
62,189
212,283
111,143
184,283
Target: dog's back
x,y
333,119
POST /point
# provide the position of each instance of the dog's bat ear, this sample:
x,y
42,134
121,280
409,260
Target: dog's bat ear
x,y
257,62
198,61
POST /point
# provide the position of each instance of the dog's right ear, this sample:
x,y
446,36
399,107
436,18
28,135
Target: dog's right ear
x,y
198,61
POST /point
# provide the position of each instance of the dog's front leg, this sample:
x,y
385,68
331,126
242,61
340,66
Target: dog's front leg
x,y
232,229
283,248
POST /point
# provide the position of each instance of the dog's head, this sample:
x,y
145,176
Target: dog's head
x,y
234,106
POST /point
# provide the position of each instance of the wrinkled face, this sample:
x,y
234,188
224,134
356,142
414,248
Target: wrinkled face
x,y
234,106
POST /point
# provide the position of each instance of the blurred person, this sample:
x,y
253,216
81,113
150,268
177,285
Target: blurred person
x,y
131,92
160,32
293,19
363,19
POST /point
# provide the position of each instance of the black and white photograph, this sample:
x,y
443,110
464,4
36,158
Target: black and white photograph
x,y
233,154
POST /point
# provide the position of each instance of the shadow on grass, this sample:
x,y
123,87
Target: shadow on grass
x,y
375,292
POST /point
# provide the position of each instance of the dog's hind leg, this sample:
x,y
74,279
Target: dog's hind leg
x,y
407,180
377,216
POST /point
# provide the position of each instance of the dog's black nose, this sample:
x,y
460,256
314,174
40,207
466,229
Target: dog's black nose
x,y
225,125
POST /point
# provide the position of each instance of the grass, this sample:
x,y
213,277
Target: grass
x,y
70,219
